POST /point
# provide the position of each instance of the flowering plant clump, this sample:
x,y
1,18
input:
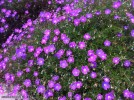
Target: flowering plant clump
x,y
13,13
83,50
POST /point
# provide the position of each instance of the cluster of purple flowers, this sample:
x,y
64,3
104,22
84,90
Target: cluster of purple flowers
x,y
128,94
106,83
100,53
93,56
21,52
6,13
47,46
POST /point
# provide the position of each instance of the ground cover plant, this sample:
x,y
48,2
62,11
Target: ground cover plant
x,y
83,50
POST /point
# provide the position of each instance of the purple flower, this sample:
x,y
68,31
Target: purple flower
x,y
105,85
99,97
16,87
87,36
40,89
107,43
25,98
66,40
117,17
62,98
1,56
93,64
62,18
90,52
19,73
59,1
6,59
57,87
36,54
131,95
78,84
19,52
3,20
93,75
51,48
132,3
132,19
24,93
98,12
40,61
63,64
48,93
116,60
87,99
106,79
68,52
127,63
70,59
46,50
84,70
26,12
8,13
75,12
67,8
89,15
57,31
92,58
3,10
12,77
99,52
83,19
73,86
1,90
27,70
103,56
35,73
77,97
27,83
119,35
116,4
126,93
55,38
37,81
39,50
7,76
13,93
76,72
76,22
81,45
51,84
107,11
48,15
2,30
132,33
55,21
72,44
63,36
70,94
59,53
126,27
30,63
55,77
47,32
44,41
109,96
129,14
2,65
